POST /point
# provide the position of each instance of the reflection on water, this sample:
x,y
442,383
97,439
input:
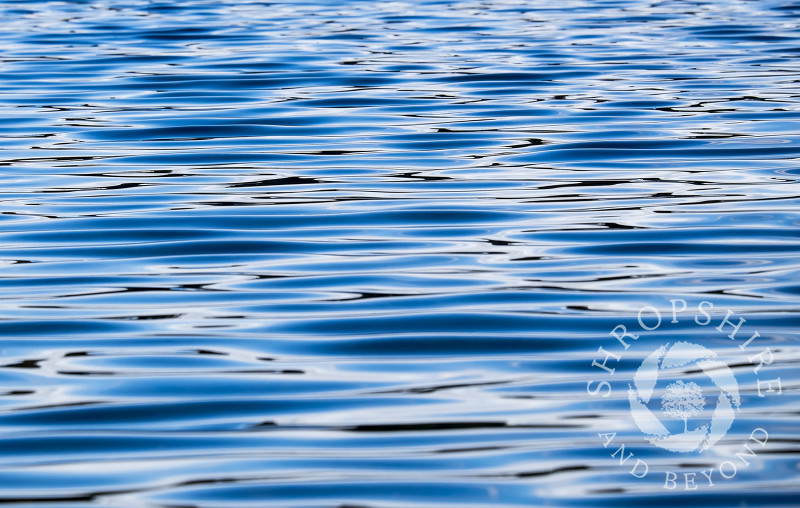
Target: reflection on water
x,y
327,253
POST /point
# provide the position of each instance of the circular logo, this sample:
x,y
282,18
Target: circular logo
x,y
685,424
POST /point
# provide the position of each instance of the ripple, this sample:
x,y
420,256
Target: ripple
x,y
361,254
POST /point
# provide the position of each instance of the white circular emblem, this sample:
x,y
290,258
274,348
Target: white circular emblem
x,y
683,400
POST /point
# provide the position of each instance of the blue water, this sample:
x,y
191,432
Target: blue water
x,y
363,254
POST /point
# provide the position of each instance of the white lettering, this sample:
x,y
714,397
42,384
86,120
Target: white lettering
x,y
608,354
622,458
770,389
753,438
736,327
625,333
708,476
608,438
751,339
597,390
761,360
689,478
654,311
640,462
742,455
732,465
706,314
675,310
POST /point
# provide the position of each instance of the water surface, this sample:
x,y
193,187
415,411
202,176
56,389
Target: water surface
x,y
362,254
